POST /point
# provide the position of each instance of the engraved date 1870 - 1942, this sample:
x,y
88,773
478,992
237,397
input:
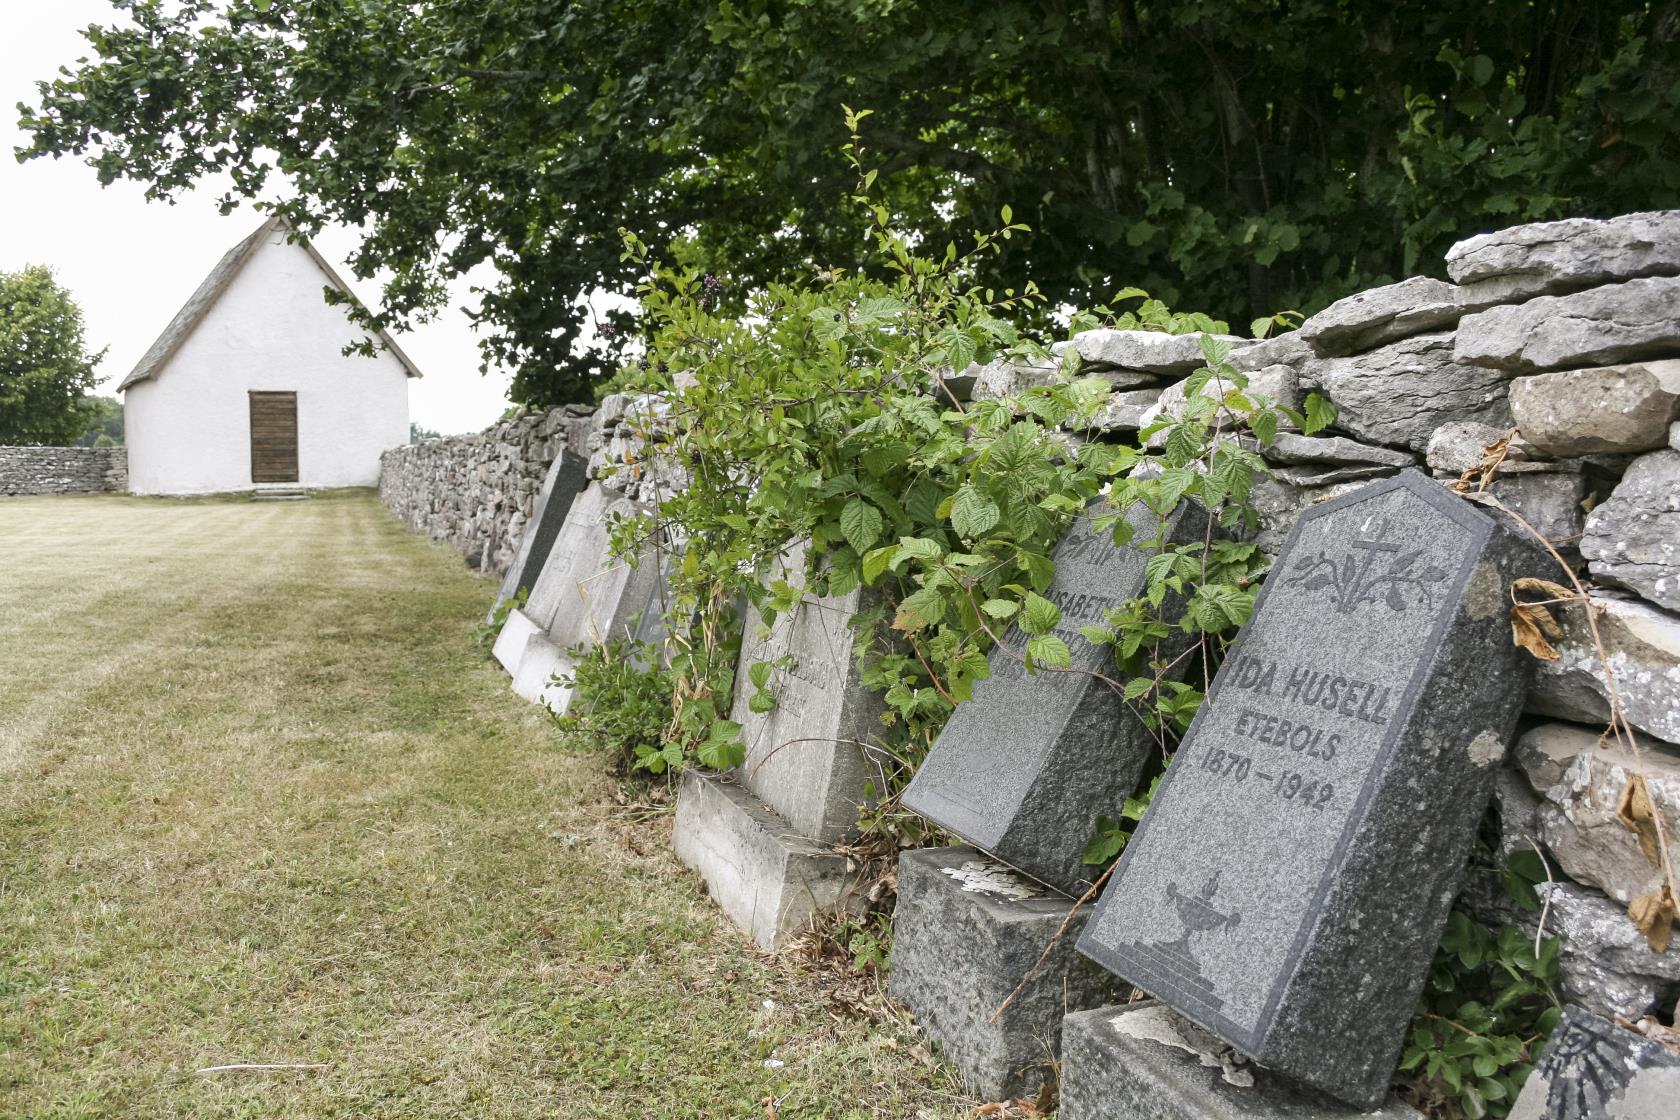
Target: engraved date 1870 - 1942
x,y
1289,785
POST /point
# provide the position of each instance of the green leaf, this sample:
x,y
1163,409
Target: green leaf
x,y
860,522
1097,635
1000,608
972,513
920,610
1319,414
1049,651
828,324
879,560
1039,615
919,548
759,673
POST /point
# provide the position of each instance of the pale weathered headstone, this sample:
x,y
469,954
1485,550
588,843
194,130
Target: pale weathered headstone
x,y
1024,769
583,597
1288,886
566,479
762,837
807,758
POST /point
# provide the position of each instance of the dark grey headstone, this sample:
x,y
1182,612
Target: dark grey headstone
x,y
1024,768
966,933
1288,886
1144,1062
565,480
1592,1069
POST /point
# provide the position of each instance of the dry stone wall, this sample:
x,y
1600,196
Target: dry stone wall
x,y
1549,368
478,491
63,470
1563,336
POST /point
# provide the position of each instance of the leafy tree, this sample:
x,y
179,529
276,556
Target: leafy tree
x,y
46,371
419,433
104,423
1237,155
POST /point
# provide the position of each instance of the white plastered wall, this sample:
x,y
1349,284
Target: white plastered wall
x,y
188,427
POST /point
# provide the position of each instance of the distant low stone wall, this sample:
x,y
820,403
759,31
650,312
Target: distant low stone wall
x,y
63,470
477,491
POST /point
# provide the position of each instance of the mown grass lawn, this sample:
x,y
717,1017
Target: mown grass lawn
x,y
262,800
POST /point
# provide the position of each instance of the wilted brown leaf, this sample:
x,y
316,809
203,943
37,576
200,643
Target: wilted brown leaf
x,y
1654,914
1637,814
1544,587
1493,455
1530,625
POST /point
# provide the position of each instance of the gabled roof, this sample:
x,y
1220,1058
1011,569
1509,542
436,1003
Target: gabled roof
x,y
221,277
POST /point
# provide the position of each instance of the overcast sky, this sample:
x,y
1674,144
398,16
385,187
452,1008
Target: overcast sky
x,y
131,264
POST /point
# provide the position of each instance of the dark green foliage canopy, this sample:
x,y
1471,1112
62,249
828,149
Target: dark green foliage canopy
x,y
104,423
1236,156
46,371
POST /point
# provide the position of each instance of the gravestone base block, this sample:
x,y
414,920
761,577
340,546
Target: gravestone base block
x,y
769,880
510,642
967,929
534,679
1146,1062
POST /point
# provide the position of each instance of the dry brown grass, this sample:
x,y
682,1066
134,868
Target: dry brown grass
x,y
262,800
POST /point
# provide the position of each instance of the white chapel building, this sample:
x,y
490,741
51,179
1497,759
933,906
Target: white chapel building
x,y
249,385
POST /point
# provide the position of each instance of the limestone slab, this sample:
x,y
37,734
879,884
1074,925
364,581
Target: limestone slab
x,y
966,932
1632,540
1289,883
1643,645
1369,319
1148,351
1024,769
1398,394
1292,447
1145,1062
1628,322
1604,962
1544,257
769,880
1603,409
1580,825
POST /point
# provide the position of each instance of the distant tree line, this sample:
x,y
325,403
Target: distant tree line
x,y
46,371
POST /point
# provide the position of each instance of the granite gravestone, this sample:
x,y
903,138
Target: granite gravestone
x,y
1288,886
1025,767
566,478
1593,1069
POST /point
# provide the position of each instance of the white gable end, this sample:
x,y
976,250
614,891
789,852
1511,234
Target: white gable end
x,y
268,330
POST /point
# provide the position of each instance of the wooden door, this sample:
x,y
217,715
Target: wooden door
x,y
274,437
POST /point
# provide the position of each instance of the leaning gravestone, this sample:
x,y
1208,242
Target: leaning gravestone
x,y
806,757
762,837
1593,1069
966,932
1024,768
582,597
566,478
1288,886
